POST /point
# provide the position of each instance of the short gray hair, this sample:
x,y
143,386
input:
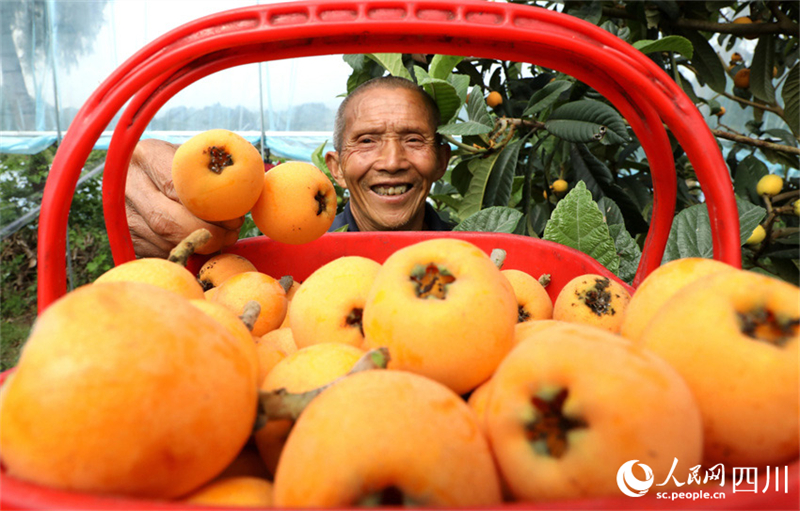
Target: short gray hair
x,y
386,82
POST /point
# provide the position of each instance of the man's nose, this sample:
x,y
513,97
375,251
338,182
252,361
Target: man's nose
x,y
393,155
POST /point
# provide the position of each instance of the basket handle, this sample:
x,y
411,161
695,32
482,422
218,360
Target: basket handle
x,y
644,94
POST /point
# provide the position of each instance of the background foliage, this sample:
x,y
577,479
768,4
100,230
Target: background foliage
x,y
548,127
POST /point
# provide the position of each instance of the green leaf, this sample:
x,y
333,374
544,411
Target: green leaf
x,y
392,62
445,95
673,43
318,159
706,62
628,251
501,179
460,83
442,66
587,120
546,96
791,99
356,61
690,235
588,11
748,172
611,212
494,219
578,223
476,108
464,128
750,216
448,200
473,200
761,70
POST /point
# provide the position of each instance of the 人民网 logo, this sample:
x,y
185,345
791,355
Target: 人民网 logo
x,y
631,485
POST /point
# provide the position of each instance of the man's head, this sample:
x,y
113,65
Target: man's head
x,y
388,153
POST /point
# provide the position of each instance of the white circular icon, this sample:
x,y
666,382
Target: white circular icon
x,y
629,484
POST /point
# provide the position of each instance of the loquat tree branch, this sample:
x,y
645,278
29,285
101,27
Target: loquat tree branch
x,y
783,25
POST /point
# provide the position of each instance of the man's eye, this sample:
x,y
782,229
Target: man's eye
x,y
366,140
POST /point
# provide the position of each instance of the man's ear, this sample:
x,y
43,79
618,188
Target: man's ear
x,y
444,159
332,161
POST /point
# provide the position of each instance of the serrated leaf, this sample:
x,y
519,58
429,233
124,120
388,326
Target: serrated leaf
x,y
761,70
587,120
546,96
748,172
706,62
673,43
442,92
464,128
476,108
611,212
690,235
578,223
628,251
590,170
791,99
750,215
473,200
587,11
442,65
392,62
501,179
493,219
460,83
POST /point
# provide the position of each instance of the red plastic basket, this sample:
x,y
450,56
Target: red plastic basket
x,y
643,93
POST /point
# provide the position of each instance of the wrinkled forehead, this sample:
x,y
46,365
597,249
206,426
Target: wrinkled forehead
x,y
380,94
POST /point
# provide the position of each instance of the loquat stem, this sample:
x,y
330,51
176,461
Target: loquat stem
x,y
286,282
250,314
183,250
498,257
281,404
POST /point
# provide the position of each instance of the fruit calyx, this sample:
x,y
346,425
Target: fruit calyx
x,y
431,281
548,433
764,325
388,496
281,404
354,319
598,298
522,314
219,158
322,202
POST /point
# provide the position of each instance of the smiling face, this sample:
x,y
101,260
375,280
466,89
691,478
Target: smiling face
x,y
389,158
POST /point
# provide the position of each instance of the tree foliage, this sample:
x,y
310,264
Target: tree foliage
x,y
551,126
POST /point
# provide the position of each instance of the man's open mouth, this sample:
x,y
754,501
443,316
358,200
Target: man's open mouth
x,y
391,190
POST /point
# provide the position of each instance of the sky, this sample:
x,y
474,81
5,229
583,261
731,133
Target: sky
x,y
132,24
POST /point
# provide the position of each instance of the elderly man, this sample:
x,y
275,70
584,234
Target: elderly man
x,y
387,154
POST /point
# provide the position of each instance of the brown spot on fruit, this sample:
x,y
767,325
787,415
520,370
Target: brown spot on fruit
x,y
598,299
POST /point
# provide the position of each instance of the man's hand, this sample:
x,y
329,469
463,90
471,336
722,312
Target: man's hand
x,y
156,218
